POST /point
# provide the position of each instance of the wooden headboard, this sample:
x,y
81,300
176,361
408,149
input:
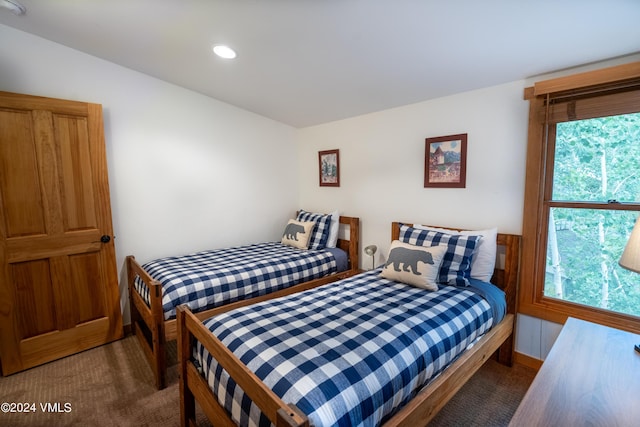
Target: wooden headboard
x,y
351,246
505,275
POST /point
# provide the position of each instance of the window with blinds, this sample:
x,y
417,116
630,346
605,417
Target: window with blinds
x,y
582,197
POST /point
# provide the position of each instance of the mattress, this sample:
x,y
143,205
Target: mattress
x,y
348,353
209,279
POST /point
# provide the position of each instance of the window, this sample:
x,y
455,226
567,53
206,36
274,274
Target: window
x,y
582,198
594,161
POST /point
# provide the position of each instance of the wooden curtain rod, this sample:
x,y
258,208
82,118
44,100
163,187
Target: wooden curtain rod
x,y
598,78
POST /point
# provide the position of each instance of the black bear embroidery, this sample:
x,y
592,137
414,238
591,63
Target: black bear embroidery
x,y
291,231
408,257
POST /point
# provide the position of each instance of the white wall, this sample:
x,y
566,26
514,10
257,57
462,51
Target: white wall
x,y
535,337
186,172
382,165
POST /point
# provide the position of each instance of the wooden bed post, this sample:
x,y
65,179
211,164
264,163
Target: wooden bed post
x,y
395,230
157,334
351,246
187,403
510,277
354,243
153,319
133,312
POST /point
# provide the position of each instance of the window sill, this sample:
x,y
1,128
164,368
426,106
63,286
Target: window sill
x,y
558,312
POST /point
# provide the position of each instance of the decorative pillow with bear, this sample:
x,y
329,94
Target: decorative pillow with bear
x,y
297,233
456,264
320,233
414,265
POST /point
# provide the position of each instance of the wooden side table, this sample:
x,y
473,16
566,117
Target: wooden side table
x,y
591,377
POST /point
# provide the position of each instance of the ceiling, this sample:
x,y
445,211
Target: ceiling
x,y
307,62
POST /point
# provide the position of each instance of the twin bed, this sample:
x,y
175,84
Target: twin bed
x,y
363,350
226,278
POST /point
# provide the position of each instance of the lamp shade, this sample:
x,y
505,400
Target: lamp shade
x,y
630,258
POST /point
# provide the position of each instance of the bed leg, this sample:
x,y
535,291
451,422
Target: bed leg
x,y
158,336
505,352
187,401
133,312
161,363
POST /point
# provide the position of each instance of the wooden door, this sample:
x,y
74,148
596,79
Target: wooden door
x,y
58,278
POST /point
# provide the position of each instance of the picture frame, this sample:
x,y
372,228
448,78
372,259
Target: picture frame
x,y
329,168
445,161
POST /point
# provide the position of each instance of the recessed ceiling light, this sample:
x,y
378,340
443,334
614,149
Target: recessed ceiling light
x,y
12,5
224,51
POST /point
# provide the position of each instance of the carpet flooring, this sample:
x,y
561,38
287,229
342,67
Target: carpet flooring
x,y
112,385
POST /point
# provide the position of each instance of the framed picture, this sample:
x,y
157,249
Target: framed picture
x,y
445,161
329,168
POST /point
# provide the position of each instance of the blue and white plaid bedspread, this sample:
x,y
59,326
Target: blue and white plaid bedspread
x,y
349,353
212,278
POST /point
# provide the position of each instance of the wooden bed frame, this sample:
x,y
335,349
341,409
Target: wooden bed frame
x,y
418,412
153,331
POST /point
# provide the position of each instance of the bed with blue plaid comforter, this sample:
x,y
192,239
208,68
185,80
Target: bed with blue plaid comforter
x,y
209,279
349,353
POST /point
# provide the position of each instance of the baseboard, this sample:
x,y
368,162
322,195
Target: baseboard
x,y
528,361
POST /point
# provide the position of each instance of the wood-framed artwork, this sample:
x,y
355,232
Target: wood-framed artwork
x,y
329,168
445,161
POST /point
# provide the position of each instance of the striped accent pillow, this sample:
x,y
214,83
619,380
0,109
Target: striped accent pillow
x,y
320,232
456,263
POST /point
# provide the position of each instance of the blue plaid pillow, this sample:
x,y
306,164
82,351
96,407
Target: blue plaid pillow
x,y
320,232
456,263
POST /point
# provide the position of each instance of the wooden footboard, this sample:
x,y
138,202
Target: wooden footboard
x,y
147,321
273,407
153,331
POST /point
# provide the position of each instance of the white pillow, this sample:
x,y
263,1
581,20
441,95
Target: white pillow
x,y
297,234
414,265
484,260
332,241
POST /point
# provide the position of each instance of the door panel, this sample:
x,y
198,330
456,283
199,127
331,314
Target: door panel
x,y
38,247
75,173
19,180
90,304
34,297
54,345
59,290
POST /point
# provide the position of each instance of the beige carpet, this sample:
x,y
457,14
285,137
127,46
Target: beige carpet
x,y
489,398
113,386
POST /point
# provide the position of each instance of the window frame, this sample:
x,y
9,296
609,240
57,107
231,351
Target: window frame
x,y
609,91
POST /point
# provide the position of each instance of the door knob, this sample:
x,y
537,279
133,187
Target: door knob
x,y
105,239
